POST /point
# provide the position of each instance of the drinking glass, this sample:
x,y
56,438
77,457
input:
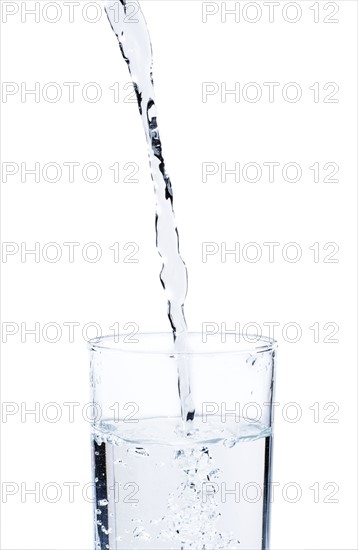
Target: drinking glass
x,y
164,484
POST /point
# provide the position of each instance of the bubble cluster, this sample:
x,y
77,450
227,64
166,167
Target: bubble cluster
x,y
191,519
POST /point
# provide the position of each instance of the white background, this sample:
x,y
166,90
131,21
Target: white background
x,y
187,52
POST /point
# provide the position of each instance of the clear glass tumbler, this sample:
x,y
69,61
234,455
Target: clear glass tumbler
x,y
160,486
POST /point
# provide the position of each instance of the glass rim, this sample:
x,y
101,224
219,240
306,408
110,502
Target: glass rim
x,y
258,344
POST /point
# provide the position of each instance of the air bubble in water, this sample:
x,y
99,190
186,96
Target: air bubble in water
x,y
140,451
251,360
140,533
231,442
